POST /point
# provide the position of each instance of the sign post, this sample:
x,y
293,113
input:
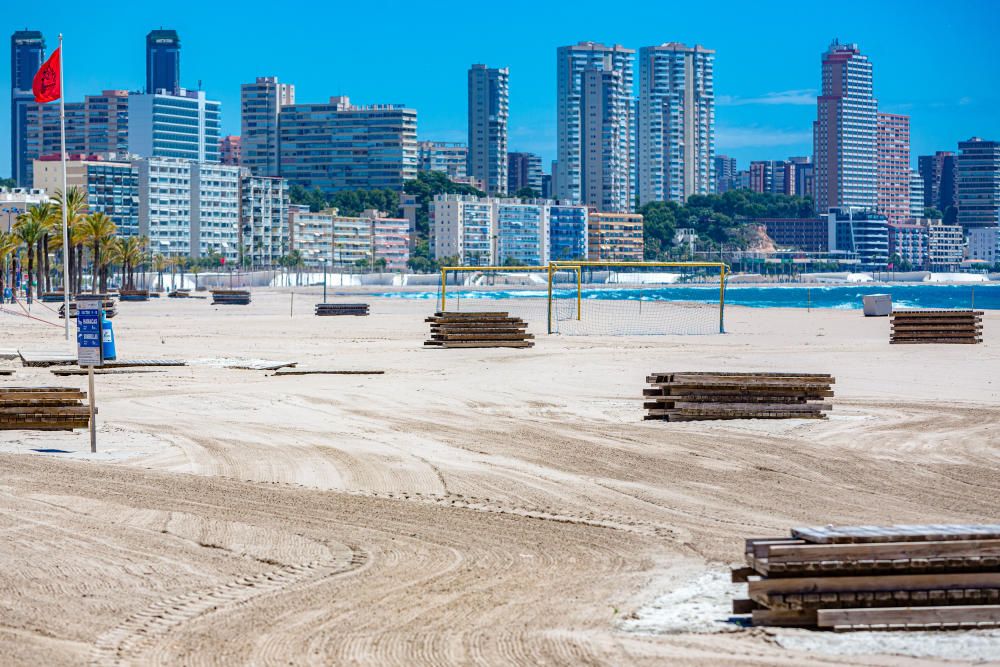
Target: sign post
x,y
88,349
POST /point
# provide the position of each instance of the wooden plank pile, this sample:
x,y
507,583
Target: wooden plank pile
x,y
134,295
179,294
333,309
110,310
230,297
43,409
694,396
875,578
478,329
937,326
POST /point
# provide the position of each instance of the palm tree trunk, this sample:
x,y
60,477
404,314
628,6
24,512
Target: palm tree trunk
x,y
70,268
39,278
48,267
96,266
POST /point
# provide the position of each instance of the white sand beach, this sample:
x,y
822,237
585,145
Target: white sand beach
x,y
480,506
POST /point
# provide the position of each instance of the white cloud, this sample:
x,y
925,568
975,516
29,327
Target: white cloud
x,y
728,138
803,97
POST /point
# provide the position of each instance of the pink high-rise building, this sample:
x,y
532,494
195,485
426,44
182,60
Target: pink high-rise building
x,y
894,166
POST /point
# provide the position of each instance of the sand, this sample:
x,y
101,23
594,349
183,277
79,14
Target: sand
x,y
468,506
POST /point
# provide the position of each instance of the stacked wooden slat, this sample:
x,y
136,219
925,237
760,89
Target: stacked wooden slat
x,y
107,304
134,295
54,297
937,326
230,297
693,396
179,294
478,329
43,409
875,578
333,309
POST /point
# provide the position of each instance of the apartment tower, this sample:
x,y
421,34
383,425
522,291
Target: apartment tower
x,y
676,128
488,111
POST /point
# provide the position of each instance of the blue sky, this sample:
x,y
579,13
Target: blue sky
x,y
936,61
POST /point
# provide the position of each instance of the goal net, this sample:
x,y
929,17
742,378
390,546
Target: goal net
x,y
640,298
522,291
594,298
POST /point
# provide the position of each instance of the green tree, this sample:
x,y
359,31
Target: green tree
x,y
527,193
97,230
931,212
425,187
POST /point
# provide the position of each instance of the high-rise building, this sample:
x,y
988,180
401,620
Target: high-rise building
x,y
230,149
106,123
189,209
725,173
448,157
676,127
568,226
263,231
340,146
163,61
939,173
844,133
260,104
978,183
916,195
893,143
524,170
767,176
488,111
183,125
605,173
27,53
569,170
96,126
799,177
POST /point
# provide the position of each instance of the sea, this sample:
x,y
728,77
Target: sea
x,y
845,297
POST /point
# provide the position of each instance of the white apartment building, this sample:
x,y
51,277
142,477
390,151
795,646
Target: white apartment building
x,y
494,231
341,241
676,125
984,244
263,229
189,209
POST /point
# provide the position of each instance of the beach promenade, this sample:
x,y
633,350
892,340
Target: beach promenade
x,y
468,506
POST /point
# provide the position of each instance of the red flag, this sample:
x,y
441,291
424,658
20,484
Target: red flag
x,y
46,82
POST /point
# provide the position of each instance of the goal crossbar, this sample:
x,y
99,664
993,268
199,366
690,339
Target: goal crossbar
x,y
579,265
549,269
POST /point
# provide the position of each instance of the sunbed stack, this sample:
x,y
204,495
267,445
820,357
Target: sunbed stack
x,y
43,409
335,309
230,297
478,329
937,326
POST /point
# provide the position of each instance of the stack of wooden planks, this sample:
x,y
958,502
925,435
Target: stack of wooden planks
x,y
134,295
331,309
230,297
482,329
43,409
179,294
106,303
875,578
937,326
693,396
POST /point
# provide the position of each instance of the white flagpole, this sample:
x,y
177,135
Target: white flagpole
x,y
65,194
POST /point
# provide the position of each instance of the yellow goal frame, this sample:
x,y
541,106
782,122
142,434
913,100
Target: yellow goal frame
x,y
579,265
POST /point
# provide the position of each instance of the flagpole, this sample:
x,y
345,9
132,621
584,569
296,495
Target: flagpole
x,y
65,194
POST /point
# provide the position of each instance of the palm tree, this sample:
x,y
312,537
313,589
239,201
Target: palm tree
x,y
97,230
8,248
160,263
76,206
29,230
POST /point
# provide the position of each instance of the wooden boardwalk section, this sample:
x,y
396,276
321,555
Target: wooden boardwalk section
x,y
477,329
695,396
337,309
43,409
230,297
915,577
937,326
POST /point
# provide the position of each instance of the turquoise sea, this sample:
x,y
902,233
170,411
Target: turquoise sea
x,y
982,296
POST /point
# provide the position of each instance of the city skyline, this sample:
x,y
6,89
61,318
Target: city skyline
x,y
762,111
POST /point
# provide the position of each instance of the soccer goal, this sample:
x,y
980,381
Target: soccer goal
x,y
638,298
522,291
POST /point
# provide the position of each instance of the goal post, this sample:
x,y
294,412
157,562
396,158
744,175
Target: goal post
x,y
635,298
